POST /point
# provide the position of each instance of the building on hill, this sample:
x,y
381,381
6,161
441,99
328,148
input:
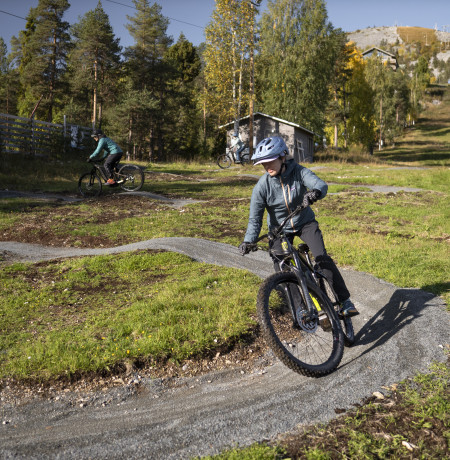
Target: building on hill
x,y
391,59
299,140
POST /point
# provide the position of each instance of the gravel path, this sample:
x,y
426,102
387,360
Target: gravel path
x,y
400,332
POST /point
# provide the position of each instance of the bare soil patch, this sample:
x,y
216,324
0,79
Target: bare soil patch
x,y
41,220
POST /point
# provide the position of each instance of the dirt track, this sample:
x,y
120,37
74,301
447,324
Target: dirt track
x,y
400,332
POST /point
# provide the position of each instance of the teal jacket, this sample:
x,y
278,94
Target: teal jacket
x,y
109,147
280,195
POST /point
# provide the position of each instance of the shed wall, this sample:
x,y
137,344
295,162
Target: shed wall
x,y
299,142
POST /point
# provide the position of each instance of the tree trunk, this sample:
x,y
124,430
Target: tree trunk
x,y
381,123
94,108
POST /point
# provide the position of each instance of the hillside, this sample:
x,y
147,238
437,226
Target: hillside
x,y
407,43
375,36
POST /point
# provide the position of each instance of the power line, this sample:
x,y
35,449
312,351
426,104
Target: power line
x,y
117,3
15,15
172,19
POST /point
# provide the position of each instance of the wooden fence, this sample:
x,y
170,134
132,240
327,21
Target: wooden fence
x,y
34,137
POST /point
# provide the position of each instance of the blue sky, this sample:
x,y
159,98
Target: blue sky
x,y
191,16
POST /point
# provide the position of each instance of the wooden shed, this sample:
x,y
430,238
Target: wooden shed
x,y
389,58
300,141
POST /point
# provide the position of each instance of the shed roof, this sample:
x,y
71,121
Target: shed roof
x,y
380,50
295,125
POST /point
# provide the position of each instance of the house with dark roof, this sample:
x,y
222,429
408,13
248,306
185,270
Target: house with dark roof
x,y
389,58
299,140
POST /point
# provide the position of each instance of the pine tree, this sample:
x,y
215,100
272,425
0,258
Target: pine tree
x,y
148,71
182,125
8,82
94,64
44,48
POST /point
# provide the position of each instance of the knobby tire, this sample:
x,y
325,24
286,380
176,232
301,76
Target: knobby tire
x,y
313,350
133,178
90,185
224,161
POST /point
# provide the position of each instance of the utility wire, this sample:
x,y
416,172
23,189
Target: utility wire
x,y
15,15
172,19
117,3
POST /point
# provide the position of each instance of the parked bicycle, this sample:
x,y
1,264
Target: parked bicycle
x,y
298,309
128,177
227,159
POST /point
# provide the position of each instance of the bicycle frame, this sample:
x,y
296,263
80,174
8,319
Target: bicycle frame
x,y
98,167
298,263
230,153
295,263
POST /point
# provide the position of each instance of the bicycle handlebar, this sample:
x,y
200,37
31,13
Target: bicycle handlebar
x,y
274,233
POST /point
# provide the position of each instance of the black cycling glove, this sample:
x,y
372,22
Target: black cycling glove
x,y
245,247
311,197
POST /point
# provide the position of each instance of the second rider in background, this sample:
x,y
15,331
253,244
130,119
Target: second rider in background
x,y
112,152
285,186
237,145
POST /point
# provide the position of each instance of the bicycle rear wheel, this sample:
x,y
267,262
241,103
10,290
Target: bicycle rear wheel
x,y
245,158
90,185
132,177
309,347
224,161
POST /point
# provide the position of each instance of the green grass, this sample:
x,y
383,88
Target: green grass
x,y
401,238
88,314
93,314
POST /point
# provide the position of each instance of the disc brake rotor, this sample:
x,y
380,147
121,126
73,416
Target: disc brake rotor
x,y
308,325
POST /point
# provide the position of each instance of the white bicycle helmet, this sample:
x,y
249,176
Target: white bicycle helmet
x,y
269,149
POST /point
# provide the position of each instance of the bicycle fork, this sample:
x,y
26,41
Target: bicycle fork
x,y
311,313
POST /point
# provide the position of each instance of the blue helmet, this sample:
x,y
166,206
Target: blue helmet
x,y
269,149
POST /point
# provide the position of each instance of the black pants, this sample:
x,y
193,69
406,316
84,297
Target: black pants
x,y
312,236
111,162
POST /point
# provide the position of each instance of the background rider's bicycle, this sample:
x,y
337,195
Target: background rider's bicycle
x,y
227,159
128,177
298,310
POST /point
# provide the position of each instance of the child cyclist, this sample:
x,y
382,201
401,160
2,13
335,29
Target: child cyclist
x,y
284,187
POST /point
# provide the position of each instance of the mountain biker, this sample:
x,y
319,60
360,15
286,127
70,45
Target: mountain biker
x,y
285,186
112,152
237,143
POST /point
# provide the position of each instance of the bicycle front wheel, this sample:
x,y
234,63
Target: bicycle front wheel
x,y
130,178
224,161
309,347
90,185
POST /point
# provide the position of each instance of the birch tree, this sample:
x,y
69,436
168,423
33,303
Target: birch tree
x,y
229,40
297,61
